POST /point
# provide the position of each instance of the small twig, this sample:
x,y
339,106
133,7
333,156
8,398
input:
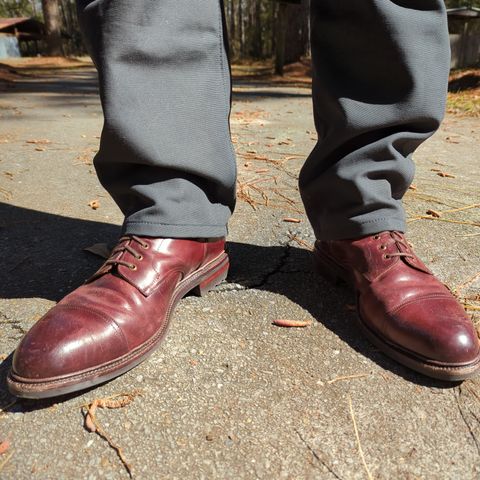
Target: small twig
x,y
429,198
92,425
471,307
288,199
468,235
468,207
300,241
7,459
433,213
101,433
466,284
425,217
105,402
348,377
360,449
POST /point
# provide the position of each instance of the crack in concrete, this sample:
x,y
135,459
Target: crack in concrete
x,y
464,418
14,324
316,456
277,269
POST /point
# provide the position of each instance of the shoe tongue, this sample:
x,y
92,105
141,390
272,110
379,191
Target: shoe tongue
x,y
111,268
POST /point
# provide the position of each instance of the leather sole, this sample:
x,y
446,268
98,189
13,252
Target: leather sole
x,y
330,269
199,282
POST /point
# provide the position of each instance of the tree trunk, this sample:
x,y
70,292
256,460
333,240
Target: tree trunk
x,y
281,37
232,26
297,31
257,44
240,28
51,16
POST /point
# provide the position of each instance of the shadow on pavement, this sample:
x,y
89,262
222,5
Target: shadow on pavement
x,y
258,92
42,256
83,81
467,81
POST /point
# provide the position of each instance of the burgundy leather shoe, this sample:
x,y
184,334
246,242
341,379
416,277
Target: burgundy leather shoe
x,y
403,309
118,318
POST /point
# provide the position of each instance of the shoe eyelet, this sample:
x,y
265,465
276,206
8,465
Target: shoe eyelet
x,y
376,237
132,267
140,257
386,256
145,246
383,247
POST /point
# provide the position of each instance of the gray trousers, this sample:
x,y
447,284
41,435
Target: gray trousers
x,y
379,88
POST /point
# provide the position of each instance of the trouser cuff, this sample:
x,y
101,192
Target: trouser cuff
x,y
146,229
351,229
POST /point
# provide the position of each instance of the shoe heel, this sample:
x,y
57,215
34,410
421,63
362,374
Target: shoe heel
x,y
330,270
213,279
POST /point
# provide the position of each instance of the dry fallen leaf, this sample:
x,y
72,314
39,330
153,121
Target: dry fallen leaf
x,y
90,418
412,187
433,213
4,446
445,174
100,249
94,204
40,149
292,220
280,322
40,141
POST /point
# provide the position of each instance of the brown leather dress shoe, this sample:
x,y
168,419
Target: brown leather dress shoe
x,y
118,318
403,309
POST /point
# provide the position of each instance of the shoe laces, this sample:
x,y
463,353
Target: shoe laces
x,y
399,240
125,244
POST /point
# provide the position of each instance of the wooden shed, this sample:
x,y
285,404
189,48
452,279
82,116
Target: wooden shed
x,y
20,36
464,28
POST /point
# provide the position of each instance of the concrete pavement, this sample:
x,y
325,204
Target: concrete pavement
x,y
229,395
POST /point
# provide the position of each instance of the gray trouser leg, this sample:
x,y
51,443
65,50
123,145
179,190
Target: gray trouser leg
x,y
380,81
165,153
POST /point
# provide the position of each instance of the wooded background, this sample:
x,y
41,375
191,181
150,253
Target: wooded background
x,y
257,29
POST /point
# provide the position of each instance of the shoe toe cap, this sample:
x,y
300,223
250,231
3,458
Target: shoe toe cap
x,y
66,341
439,330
